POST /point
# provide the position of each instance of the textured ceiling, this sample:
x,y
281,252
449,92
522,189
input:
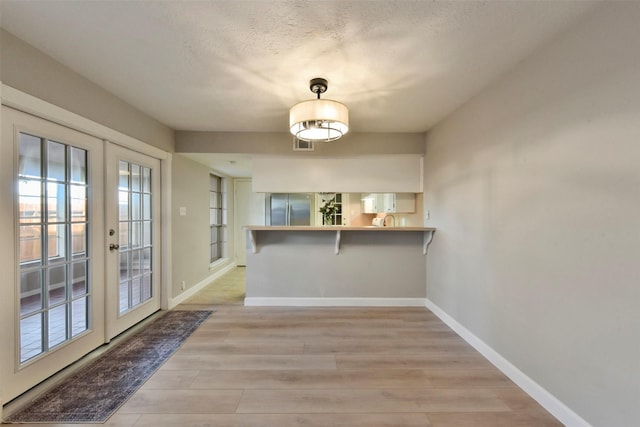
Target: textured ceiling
x,y
400,66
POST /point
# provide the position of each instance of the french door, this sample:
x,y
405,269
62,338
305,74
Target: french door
x,y
52,259
80,252
133,230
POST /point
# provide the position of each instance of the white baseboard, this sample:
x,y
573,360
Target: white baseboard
x,y
198,286
558,409
333,302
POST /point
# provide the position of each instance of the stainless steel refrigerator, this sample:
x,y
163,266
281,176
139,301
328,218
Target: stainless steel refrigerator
x,y
289,209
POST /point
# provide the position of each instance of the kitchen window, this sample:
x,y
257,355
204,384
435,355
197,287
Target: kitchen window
x,y
341,200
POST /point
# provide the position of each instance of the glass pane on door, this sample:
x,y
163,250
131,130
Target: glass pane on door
x,y
134,230
53,220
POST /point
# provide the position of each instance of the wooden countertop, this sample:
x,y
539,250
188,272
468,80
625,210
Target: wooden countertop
x,y
334,228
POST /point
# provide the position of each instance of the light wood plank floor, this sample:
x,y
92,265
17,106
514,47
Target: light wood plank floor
x,y
225,290
322,367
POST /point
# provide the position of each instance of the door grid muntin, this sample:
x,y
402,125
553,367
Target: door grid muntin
x,y
135,235
53,227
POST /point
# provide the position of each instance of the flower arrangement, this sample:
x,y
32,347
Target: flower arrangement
x,y
328,210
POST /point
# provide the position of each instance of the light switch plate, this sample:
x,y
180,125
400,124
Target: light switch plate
x,y
183,211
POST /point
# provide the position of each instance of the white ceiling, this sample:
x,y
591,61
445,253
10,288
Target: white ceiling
x,y
233,65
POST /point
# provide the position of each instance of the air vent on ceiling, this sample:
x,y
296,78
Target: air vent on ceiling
x,y
300,145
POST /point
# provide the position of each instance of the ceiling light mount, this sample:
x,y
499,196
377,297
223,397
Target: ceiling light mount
x,y
319,120
318,86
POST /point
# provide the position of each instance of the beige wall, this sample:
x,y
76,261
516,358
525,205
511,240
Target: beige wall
x,y
282,143
301,267
190,233
534,186
342,174
27,69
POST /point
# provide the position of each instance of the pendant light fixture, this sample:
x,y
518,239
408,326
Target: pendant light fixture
x,y
319,120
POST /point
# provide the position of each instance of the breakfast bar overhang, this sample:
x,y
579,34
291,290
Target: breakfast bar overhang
x,y
337,266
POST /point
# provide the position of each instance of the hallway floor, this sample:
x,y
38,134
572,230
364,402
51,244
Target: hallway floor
x,y
226,290
321,367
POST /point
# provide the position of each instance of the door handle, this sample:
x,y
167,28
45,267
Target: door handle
x,y
114,247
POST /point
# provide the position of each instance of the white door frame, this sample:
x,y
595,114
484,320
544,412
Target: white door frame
x,y
18,377
117,322
32,105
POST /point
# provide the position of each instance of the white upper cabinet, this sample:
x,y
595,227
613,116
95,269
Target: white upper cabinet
x,y
388,203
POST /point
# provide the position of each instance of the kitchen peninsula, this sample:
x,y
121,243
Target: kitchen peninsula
x,y
337,265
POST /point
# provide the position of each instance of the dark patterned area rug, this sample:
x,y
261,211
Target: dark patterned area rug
x,y
94,392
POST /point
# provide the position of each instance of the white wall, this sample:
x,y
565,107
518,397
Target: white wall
x,y
534,187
